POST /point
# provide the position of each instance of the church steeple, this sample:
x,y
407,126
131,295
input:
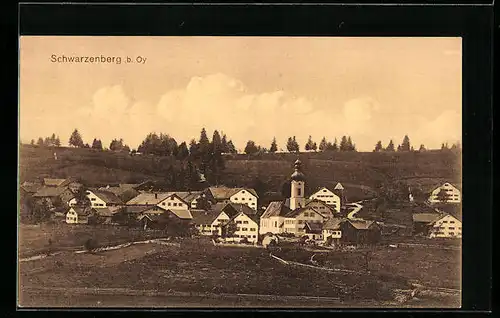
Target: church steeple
x,y
297,199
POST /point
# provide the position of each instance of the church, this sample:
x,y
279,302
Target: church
x,y
293,215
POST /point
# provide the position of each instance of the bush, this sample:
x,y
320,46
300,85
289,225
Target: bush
x,y
90,245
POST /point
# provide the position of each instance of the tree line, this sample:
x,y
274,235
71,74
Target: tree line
x,y
52,141
292,145
405,146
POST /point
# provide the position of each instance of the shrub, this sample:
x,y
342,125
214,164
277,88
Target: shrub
x,y
90,245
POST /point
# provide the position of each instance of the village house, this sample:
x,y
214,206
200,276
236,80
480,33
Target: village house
x,y
165,200
192,198
159,218
439,224
223,194
360,232
331,229
314,231
124,191
102,199
29,188
292,215
328,196
54,196
78,215
446,193
247,226
203,220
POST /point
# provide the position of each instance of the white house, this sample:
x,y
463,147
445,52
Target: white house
x,y
332,229
329,197
446,226
165,200
102,199
452,194
222,194
247,226
77,215
221,219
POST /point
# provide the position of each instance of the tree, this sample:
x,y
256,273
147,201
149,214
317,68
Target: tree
x,y
295,144
422,148
274,146
350,145
344,146
40,142
323,145
126,149
182,151
57,142
229,229
251,148
46,142
231,147
289,144
444,146
40,211
335,146
81,198
32,142
225,148
53,139
75,139
193,148
203,143
97,144
309,144
216,142
411,149
399,148
405,145
314,146
378,146
390,146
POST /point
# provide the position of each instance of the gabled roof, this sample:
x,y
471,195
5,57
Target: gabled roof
x,y
333,223
276,208
239,207
313,227
47,192
31,187
106,211
426,217
137,209
339,186
298,211
182,214
118,190
148,198
51,182
188,196
81,211
106,196
361,224
222,193
161,218
204,217
454,210
334,191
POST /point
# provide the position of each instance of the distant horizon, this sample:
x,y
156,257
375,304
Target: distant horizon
x,y
250,88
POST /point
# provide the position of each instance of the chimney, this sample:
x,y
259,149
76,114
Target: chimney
x,y
156,195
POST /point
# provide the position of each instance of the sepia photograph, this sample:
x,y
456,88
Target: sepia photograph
x,y
239,172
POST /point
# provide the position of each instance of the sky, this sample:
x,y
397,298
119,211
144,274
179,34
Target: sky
x,y
246,87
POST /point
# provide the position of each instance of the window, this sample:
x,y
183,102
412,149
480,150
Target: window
x,y
243,191
244,229
253,236
175,203
163,203
252,229
445,221
172,198
306,213
452,233
236,199
275,224
452,221
324,190
460,228
299,191
253,203
92,199
242,199
451,228
301,221
238,222
169,204
238,228
245,222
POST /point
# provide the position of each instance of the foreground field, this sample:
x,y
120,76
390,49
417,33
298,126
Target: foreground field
x,y
196,268
34,239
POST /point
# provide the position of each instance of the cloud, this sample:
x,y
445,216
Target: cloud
x,y
221,102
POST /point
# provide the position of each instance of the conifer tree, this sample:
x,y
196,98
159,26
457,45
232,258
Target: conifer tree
x,y
274,146
344,146
390,146
378,146
75,139
323,145
405,145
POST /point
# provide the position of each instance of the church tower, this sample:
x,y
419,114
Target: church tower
x,y
297,196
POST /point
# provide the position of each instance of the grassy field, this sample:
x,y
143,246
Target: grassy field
x,y
33,239
199,267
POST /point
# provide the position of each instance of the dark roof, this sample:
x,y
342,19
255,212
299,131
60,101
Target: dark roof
x,y
55,182
204,217
108,197
361,224
155,217
426,217
298,211
333,223
454,210
31,187
105,211
181,214
45,192
238,207
276,208
222,193
136,209
313,227
188,196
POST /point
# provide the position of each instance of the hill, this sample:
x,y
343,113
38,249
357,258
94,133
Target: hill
x,y
364,174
